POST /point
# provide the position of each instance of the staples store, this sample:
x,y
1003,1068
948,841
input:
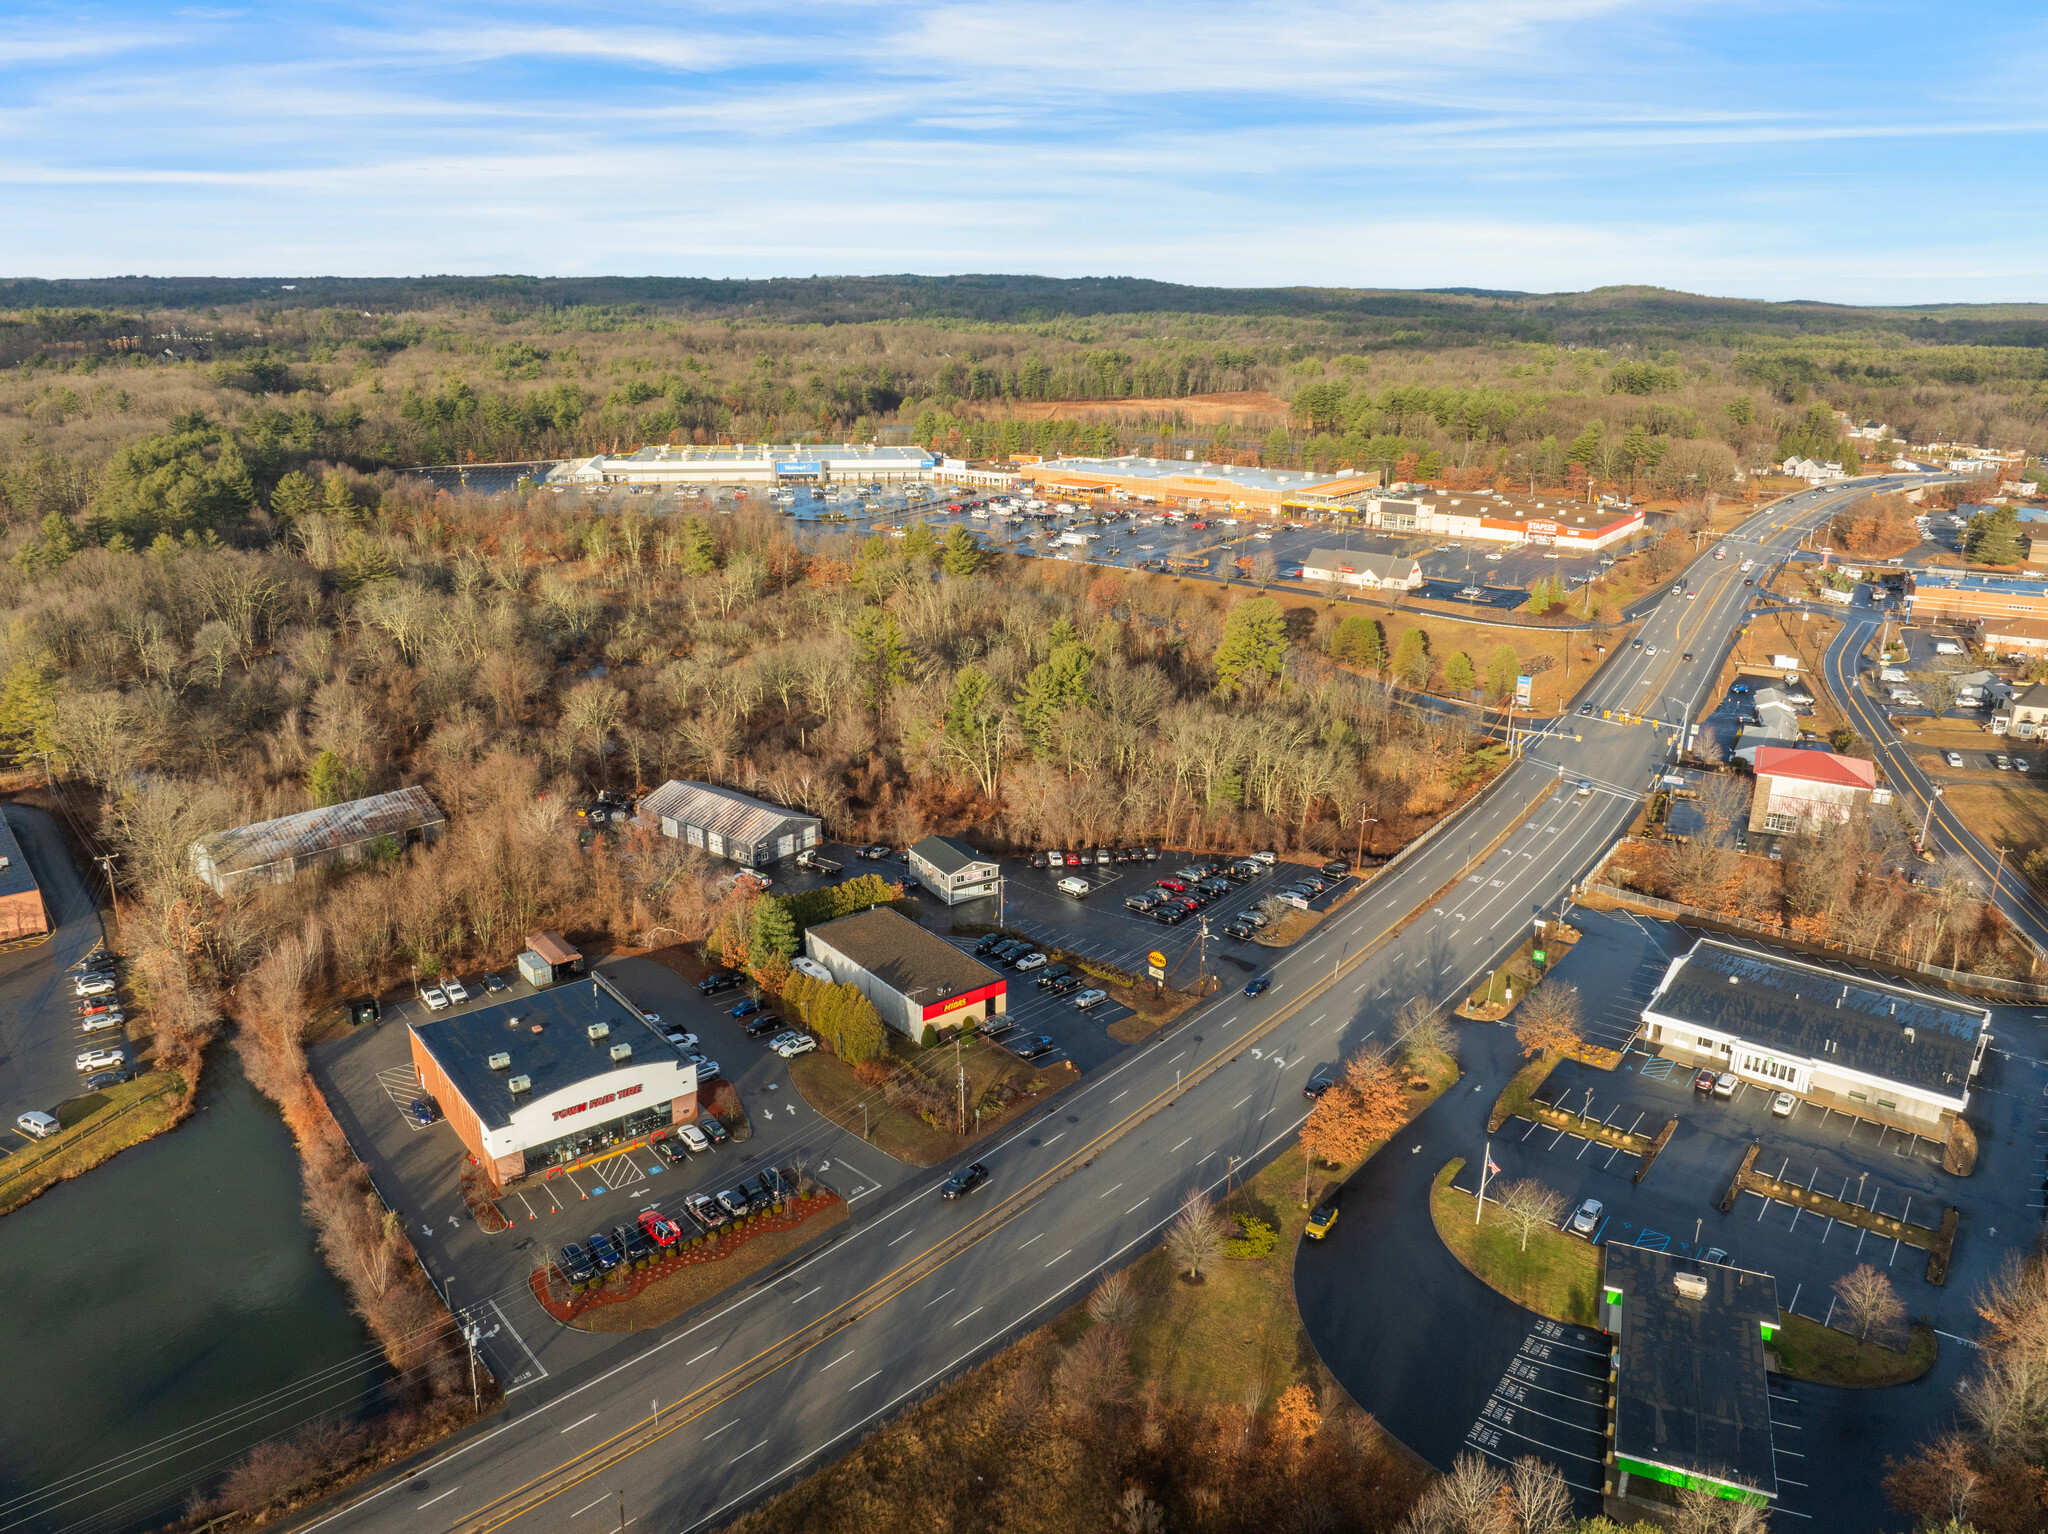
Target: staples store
x,y
551,1077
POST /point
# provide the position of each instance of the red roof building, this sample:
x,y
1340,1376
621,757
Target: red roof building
x,y
1797,790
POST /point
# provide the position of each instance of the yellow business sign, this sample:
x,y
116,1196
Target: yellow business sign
x,y
1156,958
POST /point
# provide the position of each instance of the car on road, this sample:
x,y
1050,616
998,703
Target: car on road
x,y
1724,1085
1257,983
1031,1048
1686,656
1635,644
747,1008
1703,1081
1318,1084
1953,758
711,985
1586,1218
100,1059
38,1123
803,1044
1585,708
1649,650
1319,1223
455,992
1783,1104
1090,999
964,1181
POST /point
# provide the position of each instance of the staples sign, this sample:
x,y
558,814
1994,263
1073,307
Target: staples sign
x,y
595,1102
1544,529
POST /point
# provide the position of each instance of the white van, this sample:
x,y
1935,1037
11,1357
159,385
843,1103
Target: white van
x,y
1947,647
37,1123
1891,674
812,968
1075,887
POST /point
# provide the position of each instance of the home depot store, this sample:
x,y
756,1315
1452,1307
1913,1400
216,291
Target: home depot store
x,y
550,1078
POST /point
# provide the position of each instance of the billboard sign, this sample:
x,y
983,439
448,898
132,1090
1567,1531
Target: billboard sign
x,y
1156,959
1524,685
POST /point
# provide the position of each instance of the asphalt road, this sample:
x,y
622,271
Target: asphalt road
x,y
39,1037
1946,831
913,1290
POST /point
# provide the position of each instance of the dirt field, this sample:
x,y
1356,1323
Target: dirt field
x,y
1243,407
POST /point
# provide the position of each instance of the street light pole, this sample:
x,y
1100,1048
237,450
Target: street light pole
x,y
1927,821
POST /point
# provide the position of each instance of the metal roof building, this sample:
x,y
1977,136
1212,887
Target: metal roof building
x,y
729,824
274,851
1169,478
1692,1404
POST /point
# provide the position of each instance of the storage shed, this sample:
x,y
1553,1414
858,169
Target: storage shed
x,y
729,824
276,851
548,958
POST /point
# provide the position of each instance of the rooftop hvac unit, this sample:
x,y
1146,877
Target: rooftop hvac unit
x,y
500,1061
1692,1285
621,1052
519,1084
599,1031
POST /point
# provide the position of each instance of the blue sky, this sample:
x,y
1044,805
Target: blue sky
x,y
1872,153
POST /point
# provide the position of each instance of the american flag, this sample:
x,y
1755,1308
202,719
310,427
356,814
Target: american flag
x,y
1492,1167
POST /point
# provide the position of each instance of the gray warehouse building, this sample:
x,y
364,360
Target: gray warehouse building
x,y
729,824
277,851
914,979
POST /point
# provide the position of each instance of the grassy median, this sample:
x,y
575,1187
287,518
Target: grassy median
x,y
1558,1276
1809,1351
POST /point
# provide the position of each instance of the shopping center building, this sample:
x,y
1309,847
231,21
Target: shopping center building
x,y
1171,479
806,463
551,1077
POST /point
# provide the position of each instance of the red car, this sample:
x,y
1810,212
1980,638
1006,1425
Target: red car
x,y
99,1004
1073,860
660,1229
1200,527
1703,1081
1170,884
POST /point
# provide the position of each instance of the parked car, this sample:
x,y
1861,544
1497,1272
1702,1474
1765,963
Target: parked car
x,y
1169,916
1064,986
762,1023
1784,1105
1703,1081
1724,1085
996,1027
659,1228
493,981
682,1038
1320,1222
1586,1218
454,990
747,1008
1090,999
733,1202
803,1044
2019,764
874,852
1240,930
707,1068
704,1209
711,985
1142,903
1717,1255
695,1141
990,943
605,1255
38,1123
633,1243
1031,1048
423,1111
1057,973
2002,762
1336,868
1953,758
964,1181
105,1079
575,1264
1257,984
1028,961
100,1059
94,985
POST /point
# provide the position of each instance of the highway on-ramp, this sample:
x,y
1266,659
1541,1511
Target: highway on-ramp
x,y
695,1423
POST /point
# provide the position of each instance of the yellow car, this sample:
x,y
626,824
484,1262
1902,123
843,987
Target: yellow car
x,y
1320,1222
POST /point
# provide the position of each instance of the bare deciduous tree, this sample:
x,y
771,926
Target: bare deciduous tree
x,y
1423,1033
1869,1303
1197,1235
1543,1502
1526,1205
1113,1303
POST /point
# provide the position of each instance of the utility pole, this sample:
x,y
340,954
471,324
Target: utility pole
x,y
961,1067
622,1512
106,862
1927,821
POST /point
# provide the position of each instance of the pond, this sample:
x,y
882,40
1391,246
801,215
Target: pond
x,y
165,1312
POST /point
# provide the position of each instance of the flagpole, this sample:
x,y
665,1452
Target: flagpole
x,y
1485,1162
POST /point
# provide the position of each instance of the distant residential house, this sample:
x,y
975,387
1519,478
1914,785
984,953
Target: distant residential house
x,y
2025,716
1370,572
1800,790
1777,724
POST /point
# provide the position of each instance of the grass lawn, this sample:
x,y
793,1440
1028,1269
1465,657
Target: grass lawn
x,y
666,1298
2009,812
1809,1351
1238,1329
829,1085
1558,1276
96,1127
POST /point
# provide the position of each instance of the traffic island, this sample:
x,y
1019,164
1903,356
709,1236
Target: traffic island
x,y
1803,1349
1556,1275
1538,955
690,1273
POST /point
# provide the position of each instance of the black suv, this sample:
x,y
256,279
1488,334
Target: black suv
x,y
964,1181
1033,1047
711,985
990,943
761,1024
1065,984
1051,977
1336,868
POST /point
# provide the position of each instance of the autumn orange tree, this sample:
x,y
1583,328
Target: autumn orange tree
x,y
1549,1020
1364,1107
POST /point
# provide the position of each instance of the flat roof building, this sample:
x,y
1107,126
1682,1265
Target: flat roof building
x,y
550,1077
729,824
1692,1401
22,911
1490,517
277,851
762,464
1882,1052
1964,598
1164,479
952,870
914,979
